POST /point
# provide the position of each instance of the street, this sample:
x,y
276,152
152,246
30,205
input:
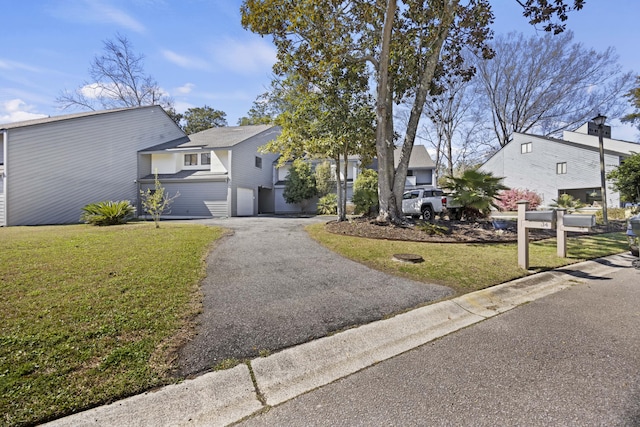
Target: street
x,y
571,358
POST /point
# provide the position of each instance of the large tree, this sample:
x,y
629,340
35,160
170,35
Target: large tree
x,y
198,119
117,80
548,84
634,98
330,117
408,44
263,111
626,179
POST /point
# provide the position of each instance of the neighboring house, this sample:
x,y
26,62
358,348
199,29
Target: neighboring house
x,y
218,172
570,165
422,169
52,167
421,173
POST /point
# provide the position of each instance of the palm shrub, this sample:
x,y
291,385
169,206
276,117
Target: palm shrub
x,y
475,191
365,192
328,205
107,213
568,202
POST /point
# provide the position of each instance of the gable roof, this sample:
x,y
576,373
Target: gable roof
x,y
63,117
420,157
220,137
580,141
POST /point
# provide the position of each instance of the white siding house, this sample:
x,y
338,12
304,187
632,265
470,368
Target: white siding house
x,y
52,167
551,166
421,172
218,172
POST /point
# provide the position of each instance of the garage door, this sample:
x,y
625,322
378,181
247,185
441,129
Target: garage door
x,y
245,202
198,199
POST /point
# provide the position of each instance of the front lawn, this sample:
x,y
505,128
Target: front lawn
x,y
93,314
466,267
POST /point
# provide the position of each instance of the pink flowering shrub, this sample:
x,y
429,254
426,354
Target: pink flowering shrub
x,y
508,199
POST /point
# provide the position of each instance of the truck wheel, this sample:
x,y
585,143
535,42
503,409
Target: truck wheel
x,y
427,213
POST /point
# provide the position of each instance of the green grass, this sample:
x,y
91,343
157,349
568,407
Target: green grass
x,y
466,267
92,314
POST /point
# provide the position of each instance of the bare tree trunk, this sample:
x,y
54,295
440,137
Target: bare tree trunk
x,y
384,116
391,182
342,193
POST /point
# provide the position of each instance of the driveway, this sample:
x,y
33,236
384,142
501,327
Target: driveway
x,y
269,286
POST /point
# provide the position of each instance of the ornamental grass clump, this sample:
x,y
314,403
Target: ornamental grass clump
x,y
108,213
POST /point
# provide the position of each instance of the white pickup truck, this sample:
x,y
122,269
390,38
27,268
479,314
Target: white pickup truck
x,y
427,202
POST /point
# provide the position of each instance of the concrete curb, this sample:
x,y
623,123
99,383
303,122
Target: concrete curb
x,y
224,397
214,399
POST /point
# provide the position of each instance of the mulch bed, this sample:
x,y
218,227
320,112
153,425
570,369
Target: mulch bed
x,y
481,231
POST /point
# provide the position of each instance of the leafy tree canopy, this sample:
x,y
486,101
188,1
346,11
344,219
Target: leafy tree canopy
x,y
300,186
407,46
626,179
263,112
634,98
198,119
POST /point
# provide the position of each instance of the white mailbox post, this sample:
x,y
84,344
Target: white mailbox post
x,y
548,220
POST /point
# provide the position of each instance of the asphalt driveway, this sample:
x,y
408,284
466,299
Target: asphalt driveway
x,y
269,286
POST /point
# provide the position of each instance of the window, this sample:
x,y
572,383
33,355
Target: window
x,y
526,147
259,162
561,168
205,158
190,159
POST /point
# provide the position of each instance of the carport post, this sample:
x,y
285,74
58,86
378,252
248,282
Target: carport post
x,y
523,235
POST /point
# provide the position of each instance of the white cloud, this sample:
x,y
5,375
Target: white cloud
x,y
16,110
13,65
181,107
97,11
185,61
92,91
185,89
246,57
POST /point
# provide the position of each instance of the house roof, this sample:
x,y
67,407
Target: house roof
x,y
583,141
420,157
220,137
54,119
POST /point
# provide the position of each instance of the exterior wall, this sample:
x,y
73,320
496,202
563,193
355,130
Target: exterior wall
x,y
220,161
196,198
536,170
58,167
282,207
165,163
243,171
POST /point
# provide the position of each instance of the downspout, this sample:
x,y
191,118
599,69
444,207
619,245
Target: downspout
x,y
5,151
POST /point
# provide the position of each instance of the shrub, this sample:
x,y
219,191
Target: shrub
x,y
566,201
365,192
508,199
433,229
475,191
328,205
107,213
613,214
300,186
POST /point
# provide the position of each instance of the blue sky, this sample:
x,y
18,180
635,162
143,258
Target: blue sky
x,y
199,53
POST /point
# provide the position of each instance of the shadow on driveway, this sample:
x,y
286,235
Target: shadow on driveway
x,y
269,286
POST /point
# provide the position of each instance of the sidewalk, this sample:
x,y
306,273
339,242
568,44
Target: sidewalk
x,y
224,397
